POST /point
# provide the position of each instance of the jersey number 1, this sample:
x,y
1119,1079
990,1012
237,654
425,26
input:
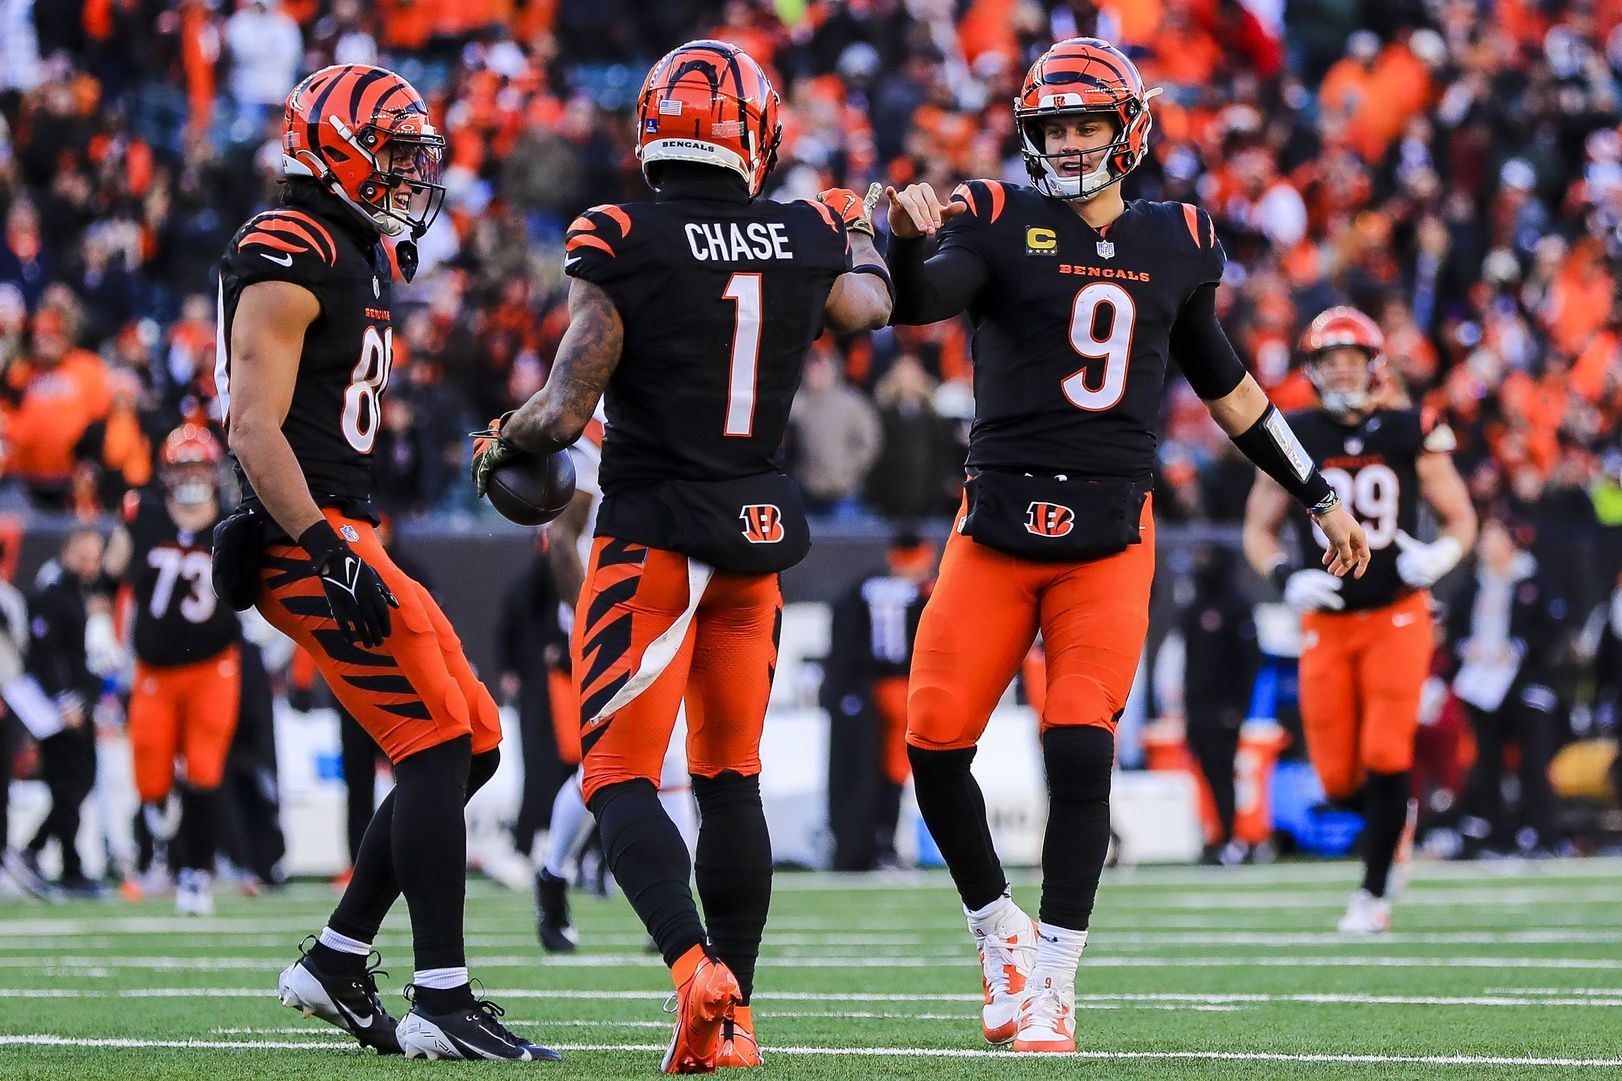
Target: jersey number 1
x,y
1114,349
744,290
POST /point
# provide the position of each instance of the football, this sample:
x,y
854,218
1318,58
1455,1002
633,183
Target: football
x,y
532,489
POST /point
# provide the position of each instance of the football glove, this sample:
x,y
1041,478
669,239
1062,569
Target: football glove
x,y
103,653
1313,591
856,213
1422,565
489,451
356,593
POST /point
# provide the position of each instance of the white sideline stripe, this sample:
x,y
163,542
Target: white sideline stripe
x,y
1594,998
1602,992
47,1040
107,966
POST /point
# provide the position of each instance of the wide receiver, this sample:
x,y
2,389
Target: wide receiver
x,y
187,686
306,345
694,313
1365,645
1079,299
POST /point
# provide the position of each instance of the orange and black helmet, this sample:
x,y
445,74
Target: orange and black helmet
x,y
709,102
1343,327
1083,75
189,459
363,132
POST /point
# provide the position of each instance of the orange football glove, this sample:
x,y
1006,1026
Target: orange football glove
x,y
857,213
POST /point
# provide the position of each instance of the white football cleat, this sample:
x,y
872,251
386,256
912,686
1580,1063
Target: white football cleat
x,y
194,895
1007,952
1047,1020
1366,914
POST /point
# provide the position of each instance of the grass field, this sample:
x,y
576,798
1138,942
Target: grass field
x,y
1495,971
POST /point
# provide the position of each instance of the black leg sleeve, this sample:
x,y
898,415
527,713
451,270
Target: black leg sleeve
x,y
734,870
954,809
1385,809
649,860
358,756
199,815
1215,743
1079,761
430,848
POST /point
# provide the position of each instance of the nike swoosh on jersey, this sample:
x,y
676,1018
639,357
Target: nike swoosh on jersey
x,y
284,260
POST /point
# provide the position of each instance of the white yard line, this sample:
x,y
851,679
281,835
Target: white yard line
x,y
48,1040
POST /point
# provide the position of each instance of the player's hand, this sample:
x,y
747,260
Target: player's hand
x,y
1421,565
1313,591
103,654
856,213
1348,545
70,707
916,212
356,593
489,451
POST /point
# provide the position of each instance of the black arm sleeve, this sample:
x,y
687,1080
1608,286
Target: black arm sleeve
x,y
1202,349
929,290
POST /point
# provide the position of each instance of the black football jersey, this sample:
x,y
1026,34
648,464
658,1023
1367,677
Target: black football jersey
x,y
1372,466
178,619
344,370
1072,326
720,300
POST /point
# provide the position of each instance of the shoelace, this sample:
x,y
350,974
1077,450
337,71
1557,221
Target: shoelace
x,y
1047,1009
999,953
368,982
492,1013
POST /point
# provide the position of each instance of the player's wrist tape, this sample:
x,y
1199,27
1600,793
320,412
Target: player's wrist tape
x,y
321,541
879,271
1274,449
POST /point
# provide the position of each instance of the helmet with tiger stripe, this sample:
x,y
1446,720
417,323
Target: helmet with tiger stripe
x,y
1079,76
364,134
709,102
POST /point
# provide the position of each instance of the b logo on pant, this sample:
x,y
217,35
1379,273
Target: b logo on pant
x,y
762,523
1049,519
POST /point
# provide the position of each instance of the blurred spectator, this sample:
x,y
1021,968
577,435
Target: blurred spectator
x,y
835,435
1505,629
56,392
266,46
917,473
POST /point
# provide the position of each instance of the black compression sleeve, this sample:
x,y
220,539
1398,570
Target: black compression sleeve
x,y
927,291
1201,348
1273,448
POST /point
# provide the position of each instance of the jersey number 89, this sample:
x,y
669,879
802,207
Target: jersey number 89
x,y
362,417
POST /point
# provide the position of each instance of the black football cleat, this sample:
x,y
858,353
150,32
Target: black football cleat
x,y
472,1033
348,1001
552,924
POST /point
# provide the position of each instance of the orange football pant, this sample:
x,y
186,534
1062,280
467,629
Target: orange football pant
x,y
983,616
654,628
413,692
187,711
1361,677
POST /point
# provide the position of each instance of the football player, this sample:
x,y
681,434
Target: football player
x,y
306,345
1079,299
186,688
1365,644
694,313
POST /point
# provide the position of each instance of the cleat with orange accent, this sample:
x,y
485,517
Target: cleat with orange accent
x,y
1007,952
1047,1021
705,1001
738,1045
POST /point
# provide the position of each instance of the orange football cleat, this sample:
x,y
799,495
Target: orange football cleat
x,y
1047,1021
707,995
1007,952
738,1045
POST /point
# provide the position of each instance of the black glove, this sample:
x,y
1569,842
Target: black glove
x,y
359,600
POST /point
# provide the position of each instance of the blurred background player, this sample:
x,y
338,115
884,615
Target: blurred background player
x,y
1366,643
187,686
1079,299
307,334
695,428
864,690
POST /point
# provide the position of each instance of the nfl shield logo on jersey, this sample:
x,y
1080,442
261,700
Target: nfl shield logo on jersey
x,y
1106,249
1049,519
762,523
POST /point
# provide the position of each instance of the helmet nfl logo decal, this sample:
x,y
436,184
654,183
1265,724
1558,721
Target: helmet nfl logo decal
x,y
762,523
1049,519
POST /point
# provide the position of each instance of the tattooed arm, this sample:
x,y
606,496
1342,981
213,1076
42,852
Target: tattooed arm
x,y
587,356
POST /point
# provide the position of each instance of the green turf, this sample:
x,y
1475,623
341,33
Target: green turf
x,y
1494,961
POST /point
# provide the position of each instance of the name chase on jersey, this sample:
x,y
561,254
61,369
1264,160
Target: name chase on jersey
x,y
716,240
